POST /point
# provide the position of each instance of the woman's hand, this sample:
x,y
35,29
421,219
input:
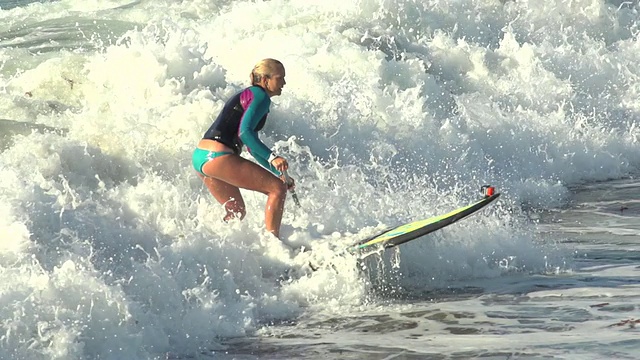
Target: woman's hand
x,y
280,164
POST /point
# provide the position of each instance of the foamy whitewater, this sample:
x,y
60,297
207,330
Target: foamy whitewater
x,y
393,111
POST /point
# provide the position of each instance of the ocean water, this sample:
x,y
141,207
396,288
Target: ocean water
x,y
393,111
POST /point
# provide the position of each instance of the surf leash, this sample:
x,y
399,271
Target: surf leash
x,y
289,182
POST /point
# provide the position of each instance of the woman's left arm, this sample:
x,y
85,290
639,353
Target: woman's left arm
x,y
257,109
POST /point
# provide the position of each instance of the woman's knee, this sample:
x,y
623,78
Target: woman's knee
x,y
279,189
234,215
240,213
236,206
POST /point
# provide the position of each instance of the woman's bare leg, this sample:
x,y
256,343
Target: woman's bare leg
x,y
241,173
227,195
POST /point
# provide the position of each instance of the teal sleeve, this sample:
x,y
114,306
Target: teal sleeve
x,y
257,109
266,165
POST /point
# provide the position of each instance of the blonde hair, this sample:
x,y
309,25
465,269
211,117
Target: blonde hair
x,y
264,68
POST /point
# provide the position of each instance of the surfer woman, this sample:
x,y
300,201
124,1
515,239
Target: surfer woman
x,y
217,156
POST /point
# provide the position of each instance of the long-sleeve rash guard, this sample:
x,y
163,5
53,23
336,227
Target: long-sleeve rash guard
x,y
239,122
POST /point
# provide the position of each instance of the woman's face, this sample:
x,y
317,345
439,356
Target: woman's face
x,y
273,83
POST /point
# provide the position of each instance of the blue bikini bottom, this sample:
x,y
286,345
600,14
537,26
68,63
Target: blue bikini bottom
x,y
201,157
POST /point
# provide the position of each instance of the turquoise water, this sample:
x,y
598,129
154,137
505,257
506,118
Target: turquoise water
x,y
10,4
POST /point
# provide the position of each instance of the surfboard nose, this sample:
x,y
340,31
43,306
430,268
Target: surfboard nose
x,y
488,190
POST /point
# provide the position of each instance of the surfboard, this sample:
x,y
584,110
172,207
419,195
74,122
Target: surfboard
x,y
404,233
